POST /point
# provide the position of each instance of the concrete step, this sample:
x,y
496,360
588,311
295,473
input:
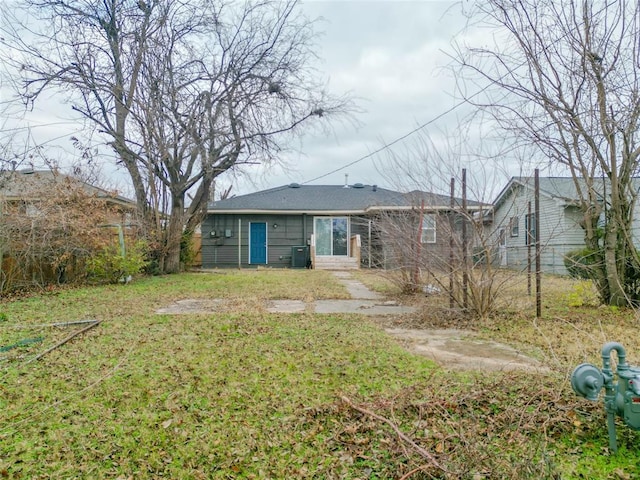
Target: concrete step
x,y
336,263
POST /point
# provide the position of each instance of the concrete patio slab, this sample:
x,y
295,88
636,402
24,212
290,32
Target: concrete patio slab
x,y
193,306
286,306
363,307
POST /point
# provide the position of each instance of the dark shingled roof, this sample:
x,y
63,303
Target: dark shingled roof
x,y
328,198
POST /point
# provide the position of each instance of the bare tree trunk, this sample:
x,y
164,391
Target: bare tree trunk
x,y
174,236
614,281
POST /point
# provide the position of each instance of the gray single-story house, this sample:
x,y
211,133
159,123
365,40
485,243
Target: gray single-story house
x,y
318,226
513,222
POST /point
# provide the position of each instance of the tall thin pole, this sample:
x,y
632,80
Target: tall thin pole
x,y
451,242
369,243
418,254
239,243
465,273
538,266
1,253
529,243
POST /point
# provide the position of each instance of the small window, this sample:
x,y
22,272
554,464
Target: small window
x,y
428,228
530,227
514,226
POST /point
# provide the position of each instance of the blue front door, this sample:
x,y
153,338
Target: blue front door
x,y
258,243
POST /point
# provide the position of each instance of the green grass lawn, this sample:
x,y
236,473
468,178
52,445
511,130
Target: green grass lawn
x,y
246,394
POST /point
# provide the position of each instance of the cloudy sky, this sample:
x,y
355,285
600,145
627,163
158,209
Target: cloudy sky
x,y
391,56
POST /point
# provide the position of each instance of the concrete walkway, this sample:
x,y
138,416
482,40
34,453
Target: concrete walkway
x,y
453,349
355,288
363,301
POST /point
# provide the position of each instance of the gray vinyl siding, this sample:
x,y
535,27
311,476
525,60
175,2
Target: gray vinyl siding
x,y
292,230
635,227
560,231
391,253
221,251
436,256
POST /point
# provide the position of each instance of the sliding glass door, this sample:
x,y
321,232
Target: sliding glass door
x,y
332,236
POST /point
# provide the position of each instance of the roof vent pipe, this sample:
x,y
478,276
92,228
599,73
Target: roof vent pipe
x,y
375,188
346,180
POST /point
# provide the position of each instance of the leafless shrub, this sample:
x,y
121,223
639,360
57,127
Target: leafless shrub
x,y
47,235
462,266
452,178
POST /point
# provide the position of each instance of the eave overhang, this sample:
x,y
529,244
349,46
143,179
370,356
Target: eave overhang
x,y
372,209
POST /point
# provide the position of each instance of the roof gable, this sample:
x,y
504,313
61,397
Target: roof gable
x,y
564,190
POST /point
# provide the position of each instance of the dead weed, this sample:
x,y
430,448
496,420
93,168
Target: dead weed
x,y
481,427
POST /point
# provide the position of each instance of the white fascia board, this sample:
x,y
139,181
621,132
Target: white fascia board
x,y
375,208
439,208
286,212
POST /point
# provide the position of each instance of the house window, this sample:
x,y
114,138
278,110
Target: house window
x,y
428,228
514,226
530,227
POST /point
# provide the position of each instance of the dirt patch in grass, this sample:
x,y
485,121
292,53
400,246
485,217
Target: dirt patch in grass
x,y
463,350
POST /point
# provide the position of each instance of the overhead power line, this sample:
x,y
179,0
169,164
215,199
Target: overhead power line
x,y
390,144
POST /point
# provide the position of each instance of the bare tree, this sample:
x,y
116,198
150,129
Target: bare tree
x,y
564,77
184,91
442,244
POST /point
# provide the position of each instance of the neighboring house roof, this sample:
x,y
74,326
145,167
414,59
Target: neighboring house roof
x,y
352,199
562,189
28,185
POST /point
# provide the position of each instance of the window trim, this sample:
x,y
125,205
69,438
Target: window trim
x,y
514,226
428,228
530,228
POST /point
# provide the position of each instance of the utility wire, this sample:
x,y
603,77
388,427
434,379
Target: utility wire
x,y
420,127
387,145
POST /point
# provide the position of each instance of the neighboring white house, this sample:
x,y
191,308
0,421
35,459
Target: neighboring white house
x,y
513,222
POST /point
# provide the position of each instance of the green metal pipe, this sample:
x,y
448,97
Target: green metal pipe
x,y
611,428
